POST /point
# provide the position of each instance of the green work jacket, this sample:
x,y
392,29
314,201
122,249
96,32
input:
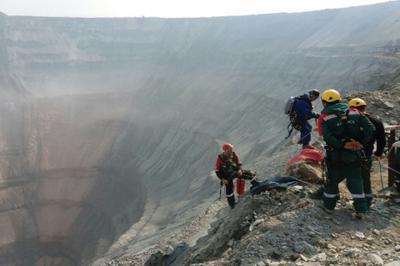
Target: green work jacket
x,y
340,124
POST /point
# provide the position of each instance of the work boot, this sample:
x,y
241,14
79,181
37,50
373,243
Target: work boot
x,y
231,202
328,211
325,209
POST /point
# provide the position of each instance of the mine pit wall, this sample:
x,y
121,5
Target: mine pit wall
x,y
65,192
188,84
75,173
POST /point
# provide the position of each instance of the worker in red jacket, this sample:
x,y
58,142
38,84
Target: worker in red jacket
x,y
228,167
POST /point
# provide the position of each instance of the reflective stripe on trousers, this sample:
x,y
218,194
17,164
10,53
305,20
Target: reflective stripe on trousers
x,y
330,196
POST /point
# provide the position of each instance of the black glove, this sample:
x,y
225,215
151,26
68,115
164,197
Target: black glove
x,y
317,116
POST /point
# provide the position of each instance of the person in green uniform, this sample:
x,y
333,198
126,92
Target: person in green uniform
x,y
378,137
345,133
396,147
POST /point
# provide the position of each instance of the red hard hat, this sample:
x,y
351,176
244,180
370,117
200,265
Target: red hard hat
x,y
227,147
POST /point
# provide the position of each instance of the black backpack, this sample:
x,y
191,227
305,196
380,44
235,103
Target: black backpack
x,y
294,122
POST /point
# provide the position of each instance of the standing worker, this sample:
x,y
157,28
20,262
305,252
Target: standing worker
x,y
378,137
345,132
228,167
396,147
302,109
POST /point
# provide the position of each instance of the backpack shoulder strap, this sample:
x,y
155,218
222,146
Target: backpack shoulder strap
x,y
345,117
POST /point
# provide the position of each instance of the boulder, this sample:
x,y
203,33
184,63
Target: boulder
x,y
306,171
375,259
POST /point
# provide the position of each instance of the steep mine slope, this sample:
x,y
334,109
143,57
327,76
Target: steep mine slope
x,y
110,127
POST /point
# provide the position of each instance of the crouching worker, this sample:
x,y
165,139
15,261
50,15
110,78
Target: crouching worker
x,y
227,168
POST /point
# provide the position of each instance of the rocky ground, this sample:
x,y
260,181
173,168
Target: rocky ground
x,y
187,234
289,227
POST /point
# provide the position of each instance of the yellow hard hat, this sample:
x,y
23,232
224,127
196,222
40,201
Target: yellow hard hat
x,y
331,95
357,102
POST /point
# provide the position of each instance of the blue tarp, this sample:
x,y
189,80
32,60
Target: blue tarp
x,y
276,182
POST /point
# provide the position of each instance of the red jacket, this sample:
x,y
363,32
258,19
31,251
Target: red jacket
x,y
226,167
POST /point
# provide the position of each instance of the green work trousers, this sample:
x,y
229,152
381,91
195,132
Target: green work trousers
x,y
337,172
397,168
366,175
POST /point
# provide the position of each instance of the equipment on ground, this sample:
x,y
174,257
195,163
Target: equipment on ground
x,y
307,155
279,183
